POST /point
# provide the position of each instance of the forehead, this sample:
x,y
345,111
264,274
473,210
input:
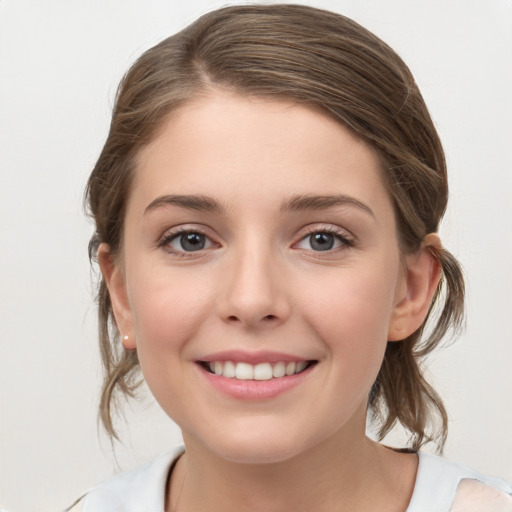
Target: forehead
x,y
252,149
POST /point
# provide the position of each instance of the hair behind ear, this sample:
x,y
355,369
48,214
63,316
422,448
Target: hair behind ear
x,y
408,398
120,366
401,392
451,293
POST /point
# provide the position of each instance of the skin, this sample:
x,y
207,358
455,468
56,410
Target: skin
x,y
260,284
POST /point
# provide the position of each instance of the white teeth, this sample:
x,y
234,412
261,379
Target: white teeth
x,y
244,371
279,370
262,371
229,369
290,368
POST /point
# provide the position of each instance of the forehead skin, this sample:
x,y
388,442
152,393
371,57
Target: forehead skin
x,y
200,140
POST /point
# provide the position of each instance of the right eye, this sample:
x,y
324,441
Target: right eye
x,y
186,241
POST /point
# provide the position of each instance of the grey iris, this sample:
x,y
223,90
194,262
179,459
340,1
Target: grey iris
x,y
192,241
321,241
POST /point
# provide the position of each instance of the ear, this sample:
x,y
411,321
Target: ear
x,y
113,274
422,273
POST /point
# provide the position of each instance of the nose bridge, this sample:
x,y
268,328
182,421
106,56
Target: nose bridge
x,y
254,291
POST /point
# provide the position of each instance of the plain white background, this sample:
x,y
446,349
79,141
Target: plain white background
x,y
60,62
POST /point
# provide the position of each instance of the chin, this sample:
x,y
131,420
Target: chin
x,y
263,447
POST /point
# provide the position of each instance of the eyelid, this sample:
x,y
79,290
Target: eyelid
x,y
343,235
173,233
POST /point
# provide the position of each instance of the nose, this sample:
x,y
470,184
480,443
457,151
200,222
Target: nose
x,y
254,292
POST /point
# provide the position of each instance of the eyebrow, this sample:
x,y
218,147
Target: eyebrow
x,y
189,202
322,202
298,202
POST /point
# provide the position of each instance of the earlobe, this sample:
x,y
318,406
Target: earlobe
x,y
422,275
114,278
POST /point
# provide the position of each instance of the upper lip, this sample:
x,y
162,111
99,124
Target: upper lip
x,y
243,356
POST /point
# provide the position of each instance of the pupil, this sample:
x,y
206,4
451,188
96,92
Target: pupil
x,y
322,241
192,241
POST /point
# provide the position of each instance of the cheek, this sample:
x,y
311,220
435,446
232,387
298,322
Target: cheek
x,y
352,316
167,312
351,322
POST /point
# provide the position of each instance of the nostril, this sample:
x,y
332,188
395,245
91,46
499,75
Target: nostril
x,y
234,318
252,318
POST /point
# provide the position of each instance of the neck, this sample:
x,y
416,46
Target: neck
x,y
335,475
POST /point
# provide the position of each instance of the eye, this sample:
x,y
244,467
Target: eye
x,y
186,241
323,240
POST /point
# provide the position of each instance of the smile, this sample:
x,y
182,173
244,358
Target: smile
x,y
261,371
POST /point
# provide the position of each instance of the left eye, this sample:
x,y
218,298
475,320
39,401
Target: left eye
x,y
189,241
321,241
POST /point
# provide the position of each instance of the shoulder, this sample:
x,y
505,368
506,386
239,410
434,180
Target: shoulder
x,y
474,496
441,484
143,486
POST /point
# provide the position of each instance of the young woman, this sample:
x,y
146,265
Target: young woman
x,y
266,206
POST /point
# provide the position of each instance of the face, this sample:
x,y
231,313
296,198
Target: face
x,y
260,276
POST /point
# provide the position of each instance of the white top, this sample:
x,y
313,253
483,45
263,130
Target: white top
x,y
441,486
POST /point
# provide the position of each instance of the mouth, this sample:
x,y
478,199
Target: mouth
x,y
257,372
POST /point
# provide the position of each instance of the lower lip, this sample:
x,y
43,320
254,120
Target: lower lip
x,y
255,389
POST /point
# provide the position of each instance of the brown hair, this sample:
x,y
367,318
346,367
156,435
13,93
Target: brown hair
x,y
315,58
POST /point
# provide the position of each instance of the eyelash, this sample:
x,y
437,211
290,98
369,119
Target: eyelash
x,y
341,236
166,240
